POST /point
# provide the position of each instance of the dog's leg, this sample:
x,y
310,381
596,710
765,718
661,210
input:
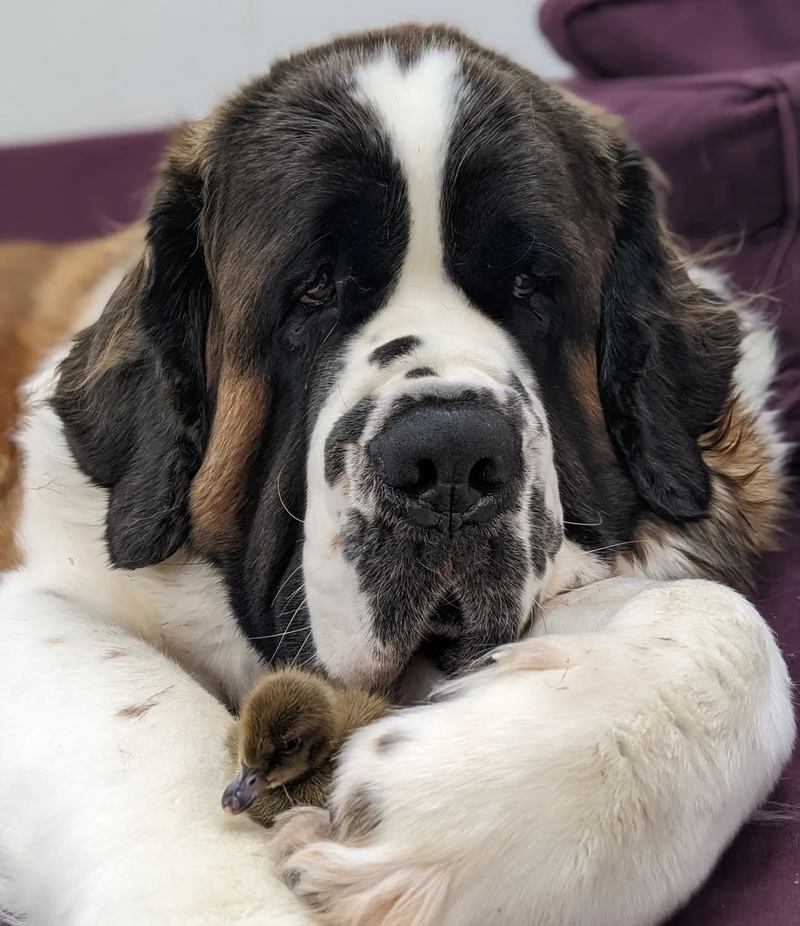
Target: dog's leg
x,y
112,763
582,778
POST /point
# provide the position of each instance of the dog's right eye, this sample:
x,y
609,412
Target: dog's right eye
x,y
322,289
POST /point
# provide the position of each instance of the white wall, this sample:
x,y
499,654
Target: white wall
x,y
79,67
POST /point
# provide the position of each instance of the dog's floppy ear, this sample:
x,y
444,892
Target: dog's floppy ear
x,y
666,354
131,393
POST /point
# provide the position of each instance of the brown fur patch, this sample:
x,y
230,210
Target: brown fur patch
x,y
136,710
218,488
43,294
358,817
735,451
748,497
582,364
387,741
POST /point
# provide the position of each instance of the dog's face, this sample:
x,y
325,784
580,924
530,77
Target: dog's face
x,y
405,316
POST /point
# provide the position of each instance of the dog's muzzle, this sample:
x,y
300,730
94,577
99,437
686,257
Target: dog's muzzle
x,y
444,465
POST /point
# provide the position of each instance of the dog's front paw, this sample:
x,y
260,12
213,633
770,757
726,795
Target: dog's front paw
x,y
295,829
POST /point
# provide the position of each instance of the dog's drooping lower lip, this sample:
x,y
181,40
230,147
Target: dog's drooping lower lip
x,y
445,626
447,617
439,655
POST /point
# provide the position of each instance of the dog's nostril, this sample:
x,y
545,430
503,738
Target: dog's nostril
x,y
484,476
426,478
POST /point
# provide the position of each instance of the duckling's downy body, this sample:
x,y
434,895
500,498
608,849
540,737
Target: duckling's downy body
x,y
291,726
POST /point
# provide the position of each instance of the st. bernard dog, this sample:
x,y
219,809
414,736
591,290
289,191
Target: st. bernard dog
x,y
404,380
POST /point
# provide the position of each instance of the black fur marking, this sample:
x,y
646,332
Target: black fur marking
x,y
660,389
384,355
472,397
521,391
386,742
405,573
420,373
347,430
357,817
291,877
545,534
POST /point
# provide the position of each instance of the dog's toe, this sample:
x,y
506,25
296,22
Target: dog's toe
x,y
295,829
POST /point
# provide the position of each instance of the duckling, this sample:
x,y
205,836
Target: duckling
x,y
291,726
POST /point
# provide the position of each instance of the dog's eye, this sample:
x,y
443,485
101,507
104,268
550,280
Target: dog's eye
x,y
322,288
526,285
291,746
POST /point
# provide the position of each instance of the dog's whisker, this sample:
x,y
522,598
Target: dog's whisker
x,y
610,546
283,633
280,498
302,646
286,631
597,523
283,584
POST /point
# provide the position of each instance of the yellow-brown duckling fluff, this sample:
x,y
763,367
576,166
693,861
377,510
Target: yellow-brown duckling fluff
x,y
290,728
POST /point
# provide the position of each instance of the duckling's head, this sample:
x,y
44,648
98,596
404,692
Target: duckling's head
x,y
287,728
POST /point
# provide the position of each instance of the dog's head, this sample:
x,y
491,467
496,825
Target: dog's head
x,y
406,341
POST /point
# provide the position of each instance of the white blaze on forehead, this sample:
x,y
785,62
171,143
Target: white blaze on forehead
x,y
416,106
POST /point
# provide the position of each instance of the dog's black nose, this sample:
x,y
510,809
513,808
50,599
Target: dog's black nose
x,y
447,464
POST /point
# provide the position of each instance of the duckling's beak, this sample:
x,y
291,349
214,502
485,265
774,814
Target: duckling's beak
x,y
243,790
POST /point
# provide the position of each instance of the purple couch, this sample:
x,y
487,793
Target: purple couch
x,y
711,91
76,189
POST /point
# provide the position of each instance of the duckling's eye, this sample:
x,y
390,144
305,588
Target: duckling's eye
x,y
291,746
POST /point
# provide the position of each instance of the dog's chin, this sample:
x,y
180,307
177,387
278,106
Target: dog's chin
x,y
442,653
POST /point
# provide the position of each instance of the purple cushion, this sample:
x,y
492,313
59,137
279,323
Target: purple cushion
x,y
627,38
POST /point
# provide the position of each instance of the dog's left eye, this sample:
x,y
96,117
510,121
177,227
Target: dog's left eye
x,y
527,285
322,289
